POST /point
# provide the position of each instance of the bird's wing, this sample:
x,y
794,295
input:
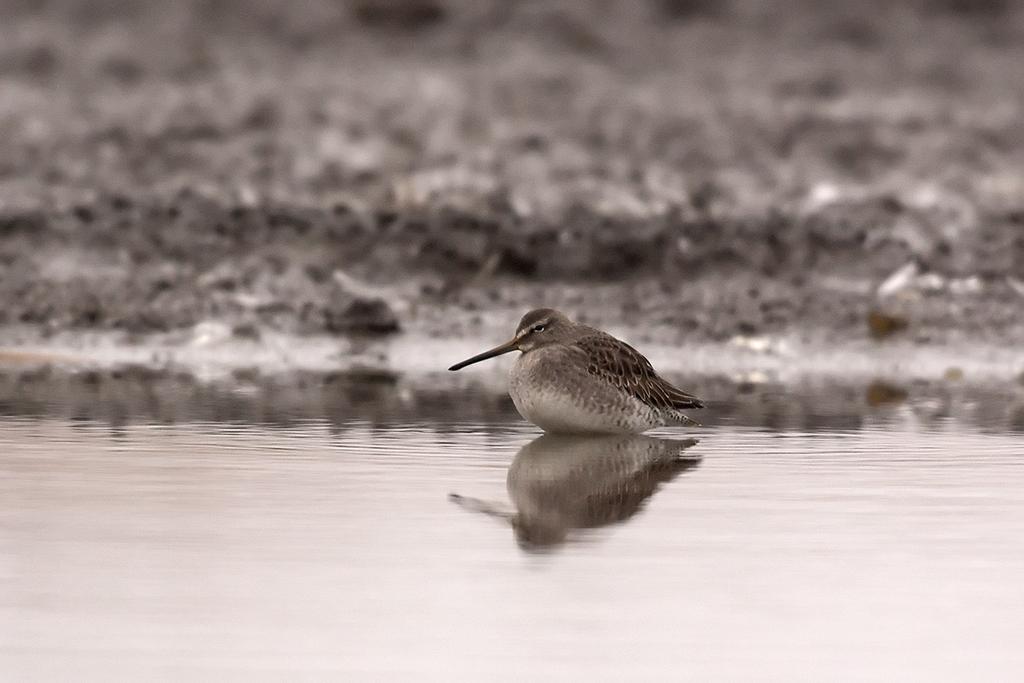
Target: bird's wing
x,y
623,366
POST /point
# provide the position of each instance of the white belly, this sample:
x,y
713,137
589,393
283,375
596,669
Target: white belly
x,y
554,412
546,393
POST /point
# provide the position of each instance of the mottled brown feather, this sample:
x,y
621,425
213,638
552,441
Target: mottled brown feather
x,y
619,364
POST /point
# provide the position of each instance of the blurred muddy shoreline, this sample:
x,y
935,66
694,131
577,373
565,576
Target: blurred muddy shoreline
x,y
686,173
159,267
139,394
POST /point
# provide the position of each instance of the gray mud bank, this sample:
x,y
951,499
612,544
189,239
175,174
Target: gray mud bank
x,y
143,267
284,183
196,282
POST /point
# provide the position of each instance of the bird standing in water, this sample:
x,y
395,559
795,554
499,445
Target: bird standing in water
x,y
573,378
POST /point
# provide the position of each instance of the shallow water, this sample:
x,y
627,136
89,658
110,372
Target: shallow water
x,y
200,540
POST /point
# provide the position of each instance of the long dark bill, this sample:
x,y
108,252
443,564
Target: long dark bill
x,y
496,351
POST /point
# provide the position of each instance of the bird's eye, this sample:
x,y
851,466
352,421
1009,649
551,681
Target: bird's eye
x,y
538,328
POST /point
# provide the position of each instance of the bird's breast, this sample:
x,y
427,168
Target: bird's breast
x,y
551,388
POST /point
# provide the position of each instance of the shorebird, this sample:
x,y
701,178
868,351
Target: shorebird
x,y
573,378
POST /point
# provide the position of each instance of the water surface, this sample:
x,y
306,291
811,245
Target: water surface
x,y
201,541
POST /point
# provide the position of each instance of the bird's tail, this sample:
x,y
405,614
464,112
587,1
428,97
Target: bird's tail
x,y
687,420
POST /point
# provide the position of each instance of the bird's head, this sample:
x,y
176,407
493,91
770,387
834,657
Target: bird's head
x,y
540,327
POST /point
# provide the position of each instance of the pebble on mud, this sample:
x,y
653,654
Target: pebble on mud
x,y
360,316
246,331
881,393
882,325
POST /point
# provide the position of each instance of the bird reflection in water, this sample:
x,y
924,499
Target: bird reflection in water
x,y
560,483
